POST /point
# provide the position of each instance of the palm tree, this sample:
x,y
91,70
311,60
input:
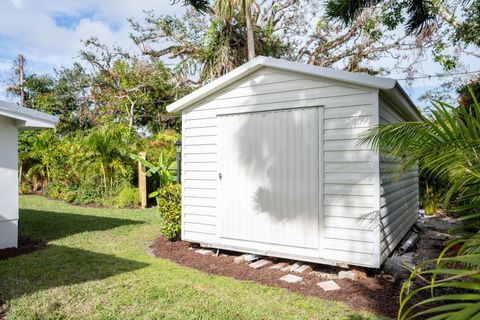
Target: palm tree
x,y
106,149
43,151
226,10
446,145
420,13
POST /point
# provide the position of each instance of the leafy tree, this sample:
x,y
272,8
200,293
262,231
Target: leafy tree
x,y
199,5
228,9
127,88
419,12
204,47
468,31
106,154
64,94
36,157
468,92
457,21
207,47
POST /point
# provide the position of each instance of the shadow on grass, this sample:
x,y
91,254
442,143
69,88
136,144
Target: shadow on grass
x,y
58,266
48,225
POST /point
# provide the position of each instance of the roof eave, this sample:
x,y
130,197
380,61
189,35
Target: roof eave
x,y
261,62
30,119
215,85
403,99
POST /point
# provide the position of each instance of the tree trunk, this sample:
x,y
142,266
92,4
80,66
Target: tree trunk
x,y
130,120
250,37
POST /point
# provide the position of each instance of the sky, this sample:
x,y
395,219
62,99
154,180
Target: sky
x,y
49,33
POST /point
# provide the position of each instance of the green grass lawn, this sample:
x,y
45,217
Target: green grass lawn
x,y
95,267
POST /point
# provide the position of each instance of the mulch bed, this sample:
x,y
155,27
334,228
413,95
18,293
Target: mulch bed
x,y
368,293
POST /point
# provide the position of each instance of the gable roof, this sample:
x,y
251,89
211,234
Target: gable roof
x,y
26,117
389,86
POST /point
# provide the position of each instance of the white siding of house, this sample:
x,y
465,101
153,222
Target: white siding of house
x,y
398,195
8,183
349,232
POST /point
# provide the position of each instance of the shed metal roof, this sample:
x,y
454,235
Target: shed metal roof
x,y
26,117
390,86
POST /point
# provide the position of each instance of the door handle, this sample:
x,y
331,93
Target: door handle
x,y
219,176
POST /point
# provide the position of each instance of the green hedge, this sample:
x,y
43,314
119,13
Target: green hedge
x,y
170,206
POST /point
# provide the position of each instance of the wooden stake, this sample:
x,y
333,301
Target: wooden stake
x,y
142,180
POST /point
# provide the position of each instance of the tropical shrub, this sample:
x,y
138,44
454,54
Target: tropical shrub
x,y
106,154
127,197
84,194
164,169
447,146
94,165
70,196
432,192
55,191
24,188
170,207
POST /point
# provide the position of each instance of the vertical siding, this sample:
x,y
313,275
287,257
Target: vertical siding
x,y
270,177
347,215
398,195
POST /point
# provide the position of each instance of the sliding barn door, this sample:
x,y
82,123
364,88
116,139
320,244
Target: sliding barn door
x,y
269,177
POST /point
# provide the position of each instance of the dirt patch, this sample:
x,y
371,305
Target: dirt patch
x,y
369,293
25,245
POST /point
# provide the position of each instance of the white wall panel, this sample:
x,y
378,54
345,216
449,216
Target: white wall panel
x,y
8,183
348,167
398,195
270,190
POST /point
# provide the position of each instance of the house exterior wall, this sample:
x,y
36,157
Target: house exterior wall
x,y
399,196
8,183
349,229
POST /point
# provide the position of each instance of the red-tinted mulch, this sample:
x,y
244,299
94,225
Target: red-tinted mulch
x,y
367,293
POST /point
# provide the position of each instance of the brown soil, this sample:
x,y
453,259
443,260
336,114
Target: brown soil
x,y
25,246
368,293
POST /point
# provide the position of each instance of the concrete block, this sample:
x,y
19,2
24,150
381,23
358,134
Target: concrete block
x,y
260,264
290,278
250,257
324,275
399,267
303,268
350,275
295,266
329,285
239,259
280,266
205,252
286,268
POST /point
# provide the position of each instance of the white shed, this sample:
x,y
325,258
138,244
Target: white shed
x,y
12,119
271,164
